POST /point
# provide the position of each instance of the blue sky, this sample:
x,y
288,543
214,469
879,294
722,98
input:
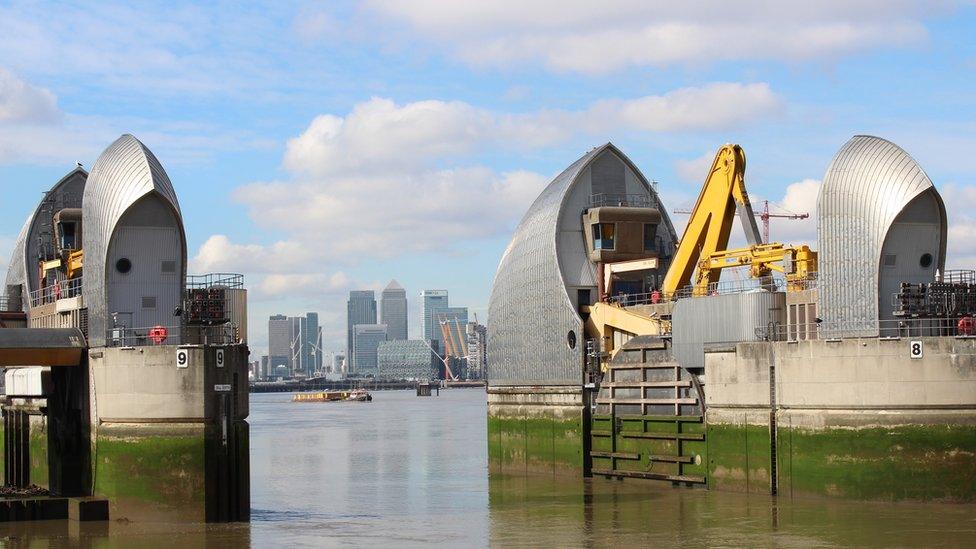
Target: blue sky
x,y
323,147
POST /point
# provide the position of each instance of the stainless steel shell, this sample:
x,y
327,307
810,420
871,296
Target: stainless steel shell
x,y
124,173
532,307
868,183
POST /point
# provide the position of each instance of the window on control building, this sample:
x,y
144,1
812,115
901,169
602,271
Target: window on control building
x,y
603,234
650,231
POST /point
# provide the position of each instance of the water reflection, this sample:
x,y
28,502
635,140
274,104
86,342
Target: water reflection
x,y
601,513
404,471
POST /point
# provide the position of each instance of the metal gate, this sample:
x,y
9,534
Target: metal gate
x,y
648,421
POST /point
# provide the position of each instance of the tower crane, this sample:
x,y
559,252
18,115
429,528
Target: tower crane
x,y
765,216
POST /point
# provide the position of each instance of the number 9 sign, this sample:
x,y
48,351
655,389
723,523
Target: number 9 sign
x,y
182,358
220,358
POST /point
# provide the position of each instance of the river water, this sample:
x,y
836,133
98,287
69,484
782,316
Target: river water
x,y
406,471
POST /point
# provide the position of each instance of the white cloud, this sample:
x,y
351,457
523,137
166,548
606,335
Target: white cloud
x,y
799,197
960,202
218,253
694,170
388,178
599,37
379,136
22,103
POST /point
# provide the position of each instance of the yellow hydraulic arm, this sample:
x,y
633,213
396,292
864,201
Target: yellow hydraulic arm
x,y
710,224
796,262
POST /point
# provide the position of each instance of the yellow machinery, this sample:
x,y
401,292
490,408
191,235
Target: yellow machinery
x,y
703,248
796,262
710,223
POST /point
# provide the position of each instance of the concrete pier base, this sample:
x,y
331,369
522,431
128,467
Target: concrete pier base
x,y
858,419
536,430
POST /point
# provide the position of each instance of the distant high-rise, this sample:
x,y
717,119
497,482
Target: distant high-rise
x,y
477,350
366,339
360,309
393,311
312,341
298,349
433,302
279,342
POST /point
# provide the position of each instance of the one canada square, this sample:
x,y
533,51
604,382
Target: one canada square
x,y
393,311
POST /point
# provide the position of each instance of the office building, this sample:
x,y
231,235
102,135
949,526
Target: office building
x,y
409,359
360,309
477,350
279,342
432,302
366,339
393,311
313,343
298,336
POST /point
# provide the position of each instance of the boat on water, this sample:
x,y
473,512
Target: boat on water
x,y
355,395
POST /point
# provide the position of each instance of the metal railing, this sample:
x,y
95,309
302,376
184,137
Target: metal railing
x,y
868,329
62,289
958,276
122,336
215,280
626,200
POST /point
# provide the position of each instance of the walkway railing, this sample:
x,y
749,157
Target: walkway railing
x,y
171,335
869,329
62,289
627,200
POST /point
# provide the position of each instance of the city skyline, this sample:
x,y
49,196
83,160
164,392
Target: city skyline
x,y
299,342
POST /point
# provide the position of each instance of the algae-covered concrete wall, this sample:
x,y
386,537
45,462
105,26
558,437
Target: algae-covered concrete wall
x,y
145,469
159,445
855,418
38,451
535,430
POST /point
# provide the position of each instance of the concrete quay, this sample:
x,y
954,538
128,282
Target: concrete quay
x,y
855,418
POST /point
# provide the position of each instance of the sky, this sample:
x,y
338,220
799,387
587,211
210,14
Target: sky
x,y
323,147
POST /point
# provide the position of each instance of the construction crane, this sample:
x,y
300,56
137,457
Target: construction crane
x,y
765,216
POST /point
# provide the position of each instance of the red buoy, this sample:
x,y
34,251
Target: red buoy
x,y
966,326
158,334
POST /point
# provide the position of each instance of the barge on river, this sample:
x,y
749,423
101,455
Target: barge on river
x,y
355,395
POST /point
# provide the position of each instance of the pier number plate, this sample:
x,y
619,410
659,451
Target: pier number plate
x,y
915,349
220,388
182,358
220,358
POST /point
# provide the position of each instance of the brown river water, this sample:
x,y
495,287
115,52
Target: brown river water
x,y
406,471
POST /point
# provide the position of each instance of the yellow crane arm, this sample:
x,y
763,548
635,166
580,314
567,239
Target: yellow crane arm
x,y
796,262
722,195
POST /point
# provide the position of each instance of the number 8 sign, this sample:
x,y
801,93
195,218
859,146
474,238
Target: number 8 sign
x,y
915,349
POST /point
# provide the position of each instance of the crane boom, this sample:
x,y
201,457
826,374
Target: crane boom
x,y
722,196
